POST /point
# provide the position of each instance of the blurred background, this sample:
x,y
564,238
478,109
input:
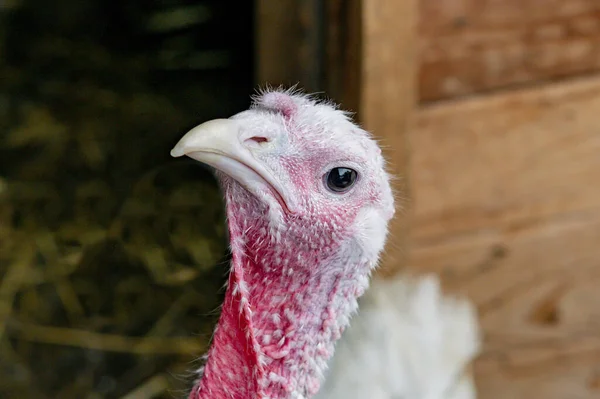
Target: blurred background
x,y
113,255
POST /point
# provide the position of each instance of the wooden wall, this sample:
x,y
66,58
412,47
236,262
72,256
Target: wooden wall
x,y
506,208
505,184
471,46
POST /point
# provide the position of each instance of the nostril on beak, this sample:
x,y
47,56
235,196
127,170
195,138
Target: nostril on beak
x,y
259,139
255,141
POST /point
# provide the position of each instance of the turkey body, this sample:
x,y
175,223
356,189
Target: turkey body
x,y
408,341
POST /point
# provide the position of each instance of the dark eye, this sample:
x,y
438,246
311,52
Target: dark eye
x,y
339,180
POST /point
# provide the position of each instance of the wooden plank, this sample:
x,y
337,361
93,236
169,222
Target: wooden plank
x,y
470,46
519,278
289,43
388,98
536,292
344,52
276,61
507,211
506,161
558,378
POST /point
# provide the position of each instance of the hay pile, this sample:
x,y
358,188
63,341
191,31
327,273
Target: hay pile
x,y
112,255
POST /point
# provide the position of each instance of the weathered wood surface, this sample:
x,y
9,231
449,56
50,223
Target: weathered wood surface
x,y
513,159
506,201
469,46
388,99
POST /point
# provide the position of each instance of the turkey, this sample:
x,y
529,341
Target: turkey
x,y
308,202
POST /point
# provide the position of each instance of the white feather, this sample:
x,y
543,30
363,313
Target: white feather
x,y
408,341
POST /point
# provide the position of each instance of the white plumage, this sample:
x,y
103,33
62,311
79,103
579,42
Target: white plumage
x,y
408,341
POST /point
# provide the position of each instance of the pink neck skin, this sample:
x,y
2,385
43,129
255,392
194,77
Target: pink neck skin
x,y
287,302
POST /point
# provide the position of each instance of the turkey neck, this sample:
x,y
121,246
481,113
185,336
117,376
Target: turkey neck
x,y
287,301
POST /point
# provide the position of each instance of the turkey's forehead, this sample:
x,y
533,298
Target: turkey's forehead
x,y
310,130
260,120
317,130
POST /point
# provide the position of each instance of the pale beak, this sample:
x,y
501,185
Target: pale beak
x,y
217,143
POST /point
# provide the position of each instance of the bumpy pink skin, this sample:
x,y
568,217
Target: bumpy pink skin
x,y
295,277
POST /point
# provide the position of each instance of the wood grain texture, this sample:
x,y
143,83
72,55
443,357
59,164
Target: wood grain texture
x,y
470,46
536,293
507,210
508,160
388,98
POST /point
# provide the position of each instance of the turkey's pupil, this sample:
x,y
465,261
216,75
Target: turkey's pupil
x,y
340,179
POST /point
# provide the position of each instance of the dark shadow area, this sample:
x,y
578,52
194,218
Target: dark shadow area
x,y
113,255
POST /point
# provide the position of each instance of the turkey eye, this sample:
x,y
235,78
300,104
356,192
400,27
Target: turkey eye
x,y
340,179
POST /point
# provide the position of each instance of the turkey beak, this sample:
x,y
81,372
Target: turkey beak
x,y
217,143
